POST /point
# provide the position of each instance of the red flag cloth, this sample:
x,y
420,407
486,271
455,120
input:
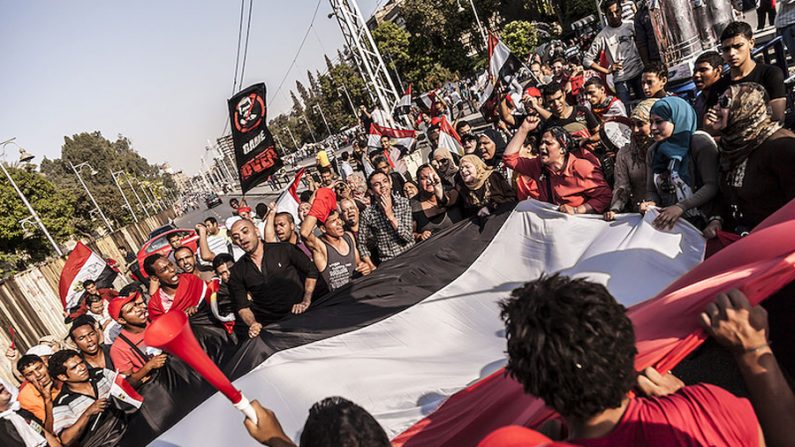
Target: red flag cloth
x,y
190,292
515,436
667,329
325,202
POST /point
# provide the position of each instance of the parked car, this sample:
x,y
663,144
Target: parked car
x,y
212,200
159,244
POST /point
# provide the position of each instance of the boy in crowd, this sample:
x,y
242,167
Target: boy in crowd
x,y
38,391
653,80
707,72
85,336
129,353
600,103
737,42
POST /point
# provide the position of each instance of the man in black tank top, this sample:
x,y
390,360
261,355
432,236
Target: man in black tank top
x,y
334,253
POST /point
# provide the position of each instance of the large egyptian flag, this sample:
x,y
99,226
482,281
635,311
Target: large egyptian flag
x,y
420,344
255,153
81,265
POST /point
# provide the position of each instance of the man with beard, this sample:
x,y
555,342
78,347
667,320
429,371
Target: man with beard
x,y
85,336
349,213
186,261
172,291
129,353
279,277
280,227
334,253
617,40
38,391
387,221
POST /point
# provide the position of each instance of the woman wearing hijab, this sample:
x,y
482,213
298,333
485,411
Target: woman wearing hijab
x,y
481,189
575,184
757,160
630,168
446,166
492,146
434,208
682,165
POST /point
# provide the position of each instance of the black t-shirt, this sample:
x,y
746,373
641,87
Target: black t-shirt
x,y
579,115
274,289
768,76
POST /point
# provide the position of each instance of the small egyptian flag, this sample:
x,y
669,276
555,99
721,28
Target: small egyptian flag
x,y
82,264
449,139
403,106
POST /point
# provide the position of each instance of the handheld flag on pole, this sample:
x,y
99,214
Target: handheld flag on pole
x,y
255,153
403,106
449,138
288,201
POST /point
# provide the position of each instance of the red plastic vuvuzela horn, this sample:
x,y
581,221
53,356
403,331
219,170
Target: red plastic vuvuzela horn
x,y
172,333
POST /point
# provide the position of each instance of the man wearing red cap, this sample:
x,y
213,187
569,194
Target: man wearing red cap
x,y
129,353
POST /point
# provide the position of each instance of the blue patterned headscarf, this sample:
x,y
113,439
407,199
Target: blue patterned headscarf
x,y
676,147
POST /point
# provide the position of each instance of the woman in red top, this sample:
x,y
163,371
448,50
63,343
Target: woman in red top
x,y
577,185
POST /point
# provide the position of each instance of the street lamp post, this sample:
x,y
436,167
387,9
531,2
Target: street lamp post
x,y
146,195
314,140
292,137
124,196
136,195
317,107
347,95
477,20
25,157
76,169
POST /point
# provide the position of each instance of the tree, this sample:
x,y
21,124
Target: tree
x,y
302,91
21,245
520,37
329,65
297,107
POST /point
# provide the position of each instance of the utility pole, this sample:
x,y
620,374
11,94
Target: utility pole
x,y
318,108
143,207
314,140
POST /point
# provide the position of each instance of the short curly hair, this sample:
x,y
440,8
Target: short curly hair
x,y
571,344
338,422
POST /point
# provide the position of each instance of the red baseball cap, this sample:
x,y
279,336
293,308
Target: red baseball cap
x,y
516,436
115,305
532,91
244,209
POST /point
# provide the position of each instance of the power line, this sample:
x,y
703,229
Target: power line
x,y
245,49
300,47
239,39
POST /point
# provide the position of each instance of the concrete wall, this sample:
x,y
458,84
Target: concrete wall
x,y
30,303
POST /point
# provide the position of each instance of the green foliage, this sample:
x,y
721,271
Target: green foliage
x,y
21,246
521,37
103,156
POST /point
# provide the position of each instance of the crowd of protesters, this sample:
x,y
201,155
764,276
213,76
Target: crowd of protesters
x,y
723,163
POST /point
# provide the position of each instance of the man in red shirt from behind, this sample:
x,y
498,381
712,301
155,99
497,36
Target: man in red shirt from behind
x,y
572,345
129,353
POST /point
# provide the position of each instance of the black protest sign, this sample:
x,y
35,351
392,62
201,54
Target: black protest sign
x,y
255,154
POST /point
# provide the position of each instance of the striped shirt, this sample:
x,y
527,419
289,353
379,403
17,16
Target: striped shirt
x,y
69,406
627,12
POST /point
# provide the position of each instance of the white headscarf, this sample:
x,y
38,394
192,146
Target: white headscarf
x,y
29,436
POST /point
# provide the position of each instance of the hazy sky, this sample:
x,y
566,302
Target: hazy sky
x,y
158,72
